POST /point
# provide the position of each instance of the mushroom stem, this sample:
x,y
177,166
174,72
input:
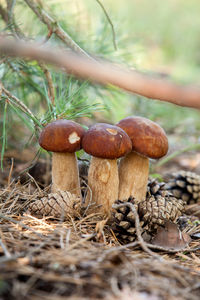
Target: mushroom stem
x,y
133,177
65,175
103,181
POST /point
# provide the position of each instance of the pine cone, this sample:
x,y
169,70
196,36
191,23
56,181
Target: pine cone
x,y
60,204
124,222
185,185
159,205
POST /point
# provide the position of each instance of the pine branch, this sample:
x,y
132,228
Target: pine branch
x,y
110,22
9,19
106,73
10,7
3,14
54,27
19,104
49,81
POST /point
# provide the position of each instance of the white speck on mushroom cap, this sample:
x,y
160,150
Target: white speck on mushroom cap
x,y
112,131
73,138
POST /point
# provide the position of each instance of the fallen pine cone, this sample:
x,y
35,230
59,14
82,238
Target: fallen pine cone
x,y
59,204
185,185
160,205
123,222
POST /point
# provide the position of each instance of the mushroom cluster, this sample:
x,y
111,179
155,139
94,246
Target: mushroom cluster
x,y
133,139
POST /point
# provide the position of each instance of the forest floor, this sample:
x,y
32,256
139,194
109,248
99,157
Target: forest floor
x,y
81,258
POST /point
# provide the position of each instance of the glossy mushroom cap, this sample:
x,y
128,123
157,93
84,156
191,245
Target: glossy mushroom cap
x,y
61,136
147,137
106,141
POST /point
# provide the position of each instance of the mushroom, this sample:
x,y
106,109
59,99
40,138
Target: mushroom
x,y
148,141
63,138
105,143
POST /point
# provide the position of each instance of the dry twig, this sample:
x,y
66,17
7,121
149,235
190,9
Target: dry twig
x,y
54,27
106,73
49,81
19,103
110,22
8,18
9,219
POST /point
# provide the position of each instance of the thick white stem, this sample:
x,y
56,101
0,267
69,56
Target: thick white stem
x,y
133,177
65,175
103,181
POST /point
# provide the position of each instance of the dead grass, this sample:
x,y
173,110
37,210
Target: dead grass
x,y
77,259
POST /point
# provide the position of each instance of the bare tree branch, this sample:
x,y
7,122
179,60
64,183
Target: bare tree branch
x,y
110,22
49,81
54,27
19,104
8,18
3,14
105,73
10,8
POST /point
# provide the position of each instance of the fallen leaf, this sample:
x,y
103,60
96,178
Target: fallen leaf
x,y
170,237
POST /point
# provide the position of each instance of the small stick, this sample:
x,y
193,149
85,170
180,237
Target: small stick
x,y
10,172
49,81
20,224
11,258
5,250
110,22
20,104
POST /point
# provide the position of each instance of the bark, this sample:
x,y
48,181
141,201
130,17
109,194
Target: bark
x,y
133,177
103,181
65,175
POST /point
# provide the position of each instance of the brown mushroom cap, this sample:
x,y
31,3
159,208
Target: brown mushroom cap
x,y
106,141
61,136
147,137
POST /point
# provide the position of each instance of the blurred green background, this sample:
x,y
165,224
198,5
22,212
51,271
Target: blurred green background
x,y
161,38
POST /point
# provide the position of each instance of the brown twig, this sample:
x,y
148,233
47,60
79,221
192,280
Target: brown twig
x,y
8,18
49,81
3,14
5,250
10,7
19,103
106,73
54,27
9,219
110,22
10,171
151,246
48,36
